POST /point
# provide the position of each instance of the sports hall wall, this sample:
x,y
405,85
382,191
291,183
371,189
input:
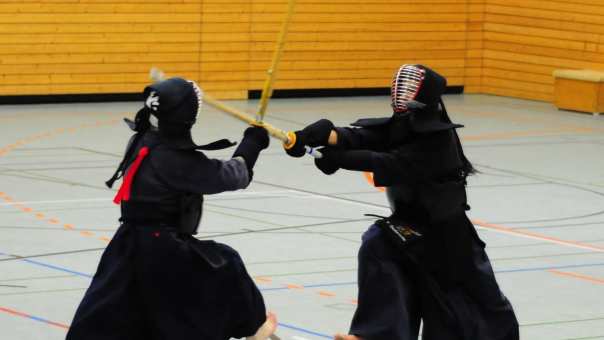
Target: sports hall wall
x,y
505,47
525,40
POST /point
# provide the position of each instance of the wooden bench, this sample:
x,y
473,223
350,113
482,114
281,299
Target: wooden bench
x,y
579,90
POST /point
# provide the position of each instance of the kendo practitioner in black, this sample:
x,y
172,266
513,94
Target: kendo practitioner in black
x,y
155,280
425,262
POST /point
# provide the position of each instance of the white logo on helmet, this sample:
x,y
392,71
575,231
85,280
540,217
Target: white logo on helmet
x,y
152,101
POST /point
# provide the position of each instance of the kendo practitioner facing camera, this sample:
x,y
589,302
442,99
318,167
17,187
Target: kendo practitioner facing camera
x,y
425,262
155,280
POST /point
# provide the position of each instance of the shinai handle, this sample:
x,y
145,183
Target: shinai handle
x,y
288,138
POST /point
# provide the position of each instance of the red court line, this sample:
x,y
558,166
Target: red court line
x,y
527,234
27,316
326,293
515,232
526,133
578,276
263,279
294,286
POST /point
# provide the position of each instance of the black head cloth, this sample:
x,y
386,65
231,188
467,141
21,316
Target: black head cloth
x,y
417,98
416,92
416,83
176,103
417,95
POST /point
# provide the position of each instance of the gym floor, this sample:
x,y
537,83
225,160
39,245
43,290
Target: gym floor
x,y
538,202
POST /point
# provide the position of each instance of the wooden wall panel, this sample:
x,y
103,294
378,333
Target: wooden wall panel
x,y
225,48
355,43
89,46
85,46
524,41
503,47
474,47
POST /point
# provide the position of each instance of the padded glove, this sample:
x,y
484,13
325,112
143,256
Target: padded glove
x,y
255,139
315,134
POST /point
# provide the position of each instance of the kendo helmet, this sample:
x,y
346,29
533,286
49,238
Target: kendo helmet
x,y
416,98
176,104
174,101
416,86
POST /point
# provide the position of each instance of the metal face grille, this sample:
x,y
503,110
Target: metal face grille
x,y
406,85
199,95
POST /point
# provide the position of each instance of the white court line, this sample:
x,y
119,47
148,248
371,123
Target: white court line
x,y
281,193
108,199
485,226
254,193
350,202
293,193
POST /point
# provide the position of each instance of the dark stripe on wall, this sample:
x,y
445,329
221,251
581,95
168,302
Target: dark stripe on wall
x,y
252,94
354,92
71,98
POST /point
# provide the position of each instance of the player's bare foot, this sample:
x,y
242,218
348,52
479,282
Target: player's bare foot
x,y
267,329
346,337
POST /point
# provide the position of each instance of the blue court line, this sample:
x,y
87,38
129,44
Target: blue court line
x,y
51,266
57,324
57,268
299,329
534,269
64,326
32,317
65,270
314,286
331,284
303,330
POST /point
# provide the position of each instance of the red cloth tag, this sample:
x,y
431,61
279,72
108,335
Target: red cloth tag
x,y
124,193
